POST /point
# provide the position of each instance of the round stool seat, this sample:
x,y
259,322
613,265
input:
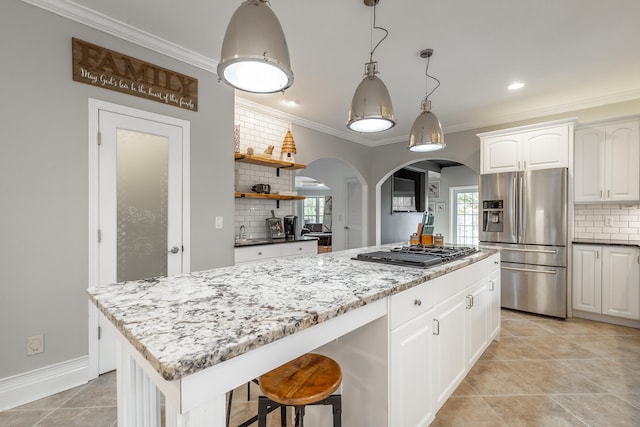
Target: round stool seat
x,y
308,379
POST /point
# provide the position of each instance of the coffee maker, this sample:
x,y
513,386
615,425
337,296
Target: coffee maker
x,y
290,226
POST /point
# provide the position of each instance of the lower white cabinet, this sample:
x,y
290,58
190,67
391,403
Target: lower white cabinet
x,y
606,280
275,250
411,388
438,330
493,283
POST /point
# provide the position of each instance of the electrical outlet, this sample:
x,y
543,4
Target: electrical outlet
x,y
608,221
218,222
35,344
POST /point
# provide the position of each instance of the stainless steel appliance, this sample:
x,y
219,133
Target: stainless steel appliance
x,y
290,226
417,256
525,214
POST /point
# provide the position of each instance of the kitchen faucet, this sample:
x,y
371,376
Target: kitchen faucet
x,y
241,234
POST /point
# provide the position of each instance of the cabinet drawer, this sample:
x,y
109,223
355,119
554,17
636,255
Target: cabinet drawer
x,y
411,303
299,248
256,253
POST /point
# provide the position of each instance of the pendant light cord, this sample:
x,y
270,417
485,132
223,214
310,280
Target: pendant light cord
x,y
427,81
374,27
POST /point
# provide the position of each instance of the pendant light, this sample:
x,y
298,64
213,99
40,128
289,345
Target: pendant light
x,y
371,109
255,56
426,132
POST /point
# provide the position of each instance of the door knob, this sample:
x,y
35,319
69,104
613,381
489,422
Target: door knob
x,y
174,250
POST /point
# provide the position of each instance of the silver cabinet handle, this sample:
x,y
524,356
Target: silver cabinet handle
x,y
530,270
609,193
537,251
469,301
417,302
436,327
174,250
492,286
601,194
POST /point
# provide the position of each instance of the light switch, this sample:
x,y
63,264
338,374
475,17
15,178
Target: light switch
x,y
218,222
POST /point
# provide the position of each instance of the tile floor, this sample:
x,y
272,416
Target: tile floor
x,y
542,372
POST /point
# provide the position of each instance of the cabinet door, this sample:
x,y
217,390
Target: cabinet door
x,y
493,284
300,248
411,393
546,148
477,317
587,278
621,282
622,155
256,253
449,346
589,165
501,154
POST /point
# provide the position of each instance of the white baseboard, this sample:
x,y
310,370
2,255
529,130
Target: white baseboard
x,y
33,385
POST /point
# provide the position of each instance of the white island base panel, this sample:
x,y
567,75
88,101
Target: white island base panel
x,y
198,400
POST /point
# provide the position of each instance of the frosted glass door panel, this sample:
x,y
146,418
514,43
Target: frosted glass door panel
x,y
142,192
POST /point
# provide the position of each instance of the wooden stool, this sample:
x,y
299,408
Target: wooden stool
x,y
308,380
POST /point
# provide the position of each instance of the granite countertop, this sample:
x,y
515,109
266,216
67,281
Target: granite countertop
x,y
607,242
186,323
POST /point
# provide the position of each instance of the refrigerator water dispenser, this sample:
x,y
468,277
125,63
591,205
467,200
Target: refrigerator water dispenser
x,y
493,215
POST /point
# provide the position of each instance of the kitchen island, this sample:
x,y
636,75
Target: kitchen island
x,y
193,337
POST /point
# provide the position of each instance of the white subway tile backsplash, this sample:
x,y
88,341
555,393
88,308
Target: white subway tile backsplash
x,y
588,221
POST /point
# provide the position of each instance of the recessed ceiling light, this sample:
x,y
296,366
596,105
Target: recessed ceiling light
x,y
291,102
515,86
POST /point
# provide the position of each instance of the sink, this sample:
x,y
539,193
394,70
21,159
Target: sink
x,y
249,242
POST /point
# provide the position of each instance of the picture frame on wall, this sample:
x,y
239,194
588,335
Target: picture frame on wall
x,y
440,208
434,190
431,207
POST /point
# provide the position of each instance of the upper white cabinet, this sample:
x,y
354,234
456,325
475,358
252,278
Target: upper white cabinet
x,y
541,146
607,159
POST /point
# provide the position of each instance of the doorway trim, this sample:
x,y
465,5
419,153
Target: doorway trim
x,y
95,106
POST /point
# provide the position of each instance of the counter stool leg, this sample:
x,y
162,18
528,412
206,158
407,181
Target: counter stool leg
x,y
299,416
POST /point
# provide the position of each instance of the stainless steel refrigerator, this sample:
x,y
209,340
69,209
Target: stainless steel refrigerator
x,y
525,214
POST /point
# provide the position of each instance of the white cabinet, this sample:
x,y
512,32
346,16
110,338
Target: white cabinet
x,y
450,363
587,278
542,146
493,283
438,330
477,321
411,373
606,280
607,160
275,250
621,282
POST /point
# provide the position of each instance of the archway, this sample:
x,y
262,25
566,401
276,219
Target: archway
x,y
441,175
348,210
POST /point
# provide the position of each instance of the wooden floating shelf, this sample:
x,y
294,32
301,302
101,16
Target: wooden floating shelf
x,y
264,161
239,195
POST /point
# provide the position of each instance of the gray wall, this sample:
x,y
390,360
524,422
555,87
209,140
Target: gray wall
x,y
44,174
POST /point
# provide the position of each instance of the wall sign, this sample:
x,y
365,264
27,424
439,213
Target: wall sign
x,y
106,68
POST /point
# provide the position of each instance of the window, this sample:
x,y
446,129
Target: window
x,y
313,210
464,215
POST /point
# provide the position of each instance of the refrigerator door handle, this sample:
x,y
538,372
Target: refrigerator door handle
x,y
530,270
521,207
516,202
538,251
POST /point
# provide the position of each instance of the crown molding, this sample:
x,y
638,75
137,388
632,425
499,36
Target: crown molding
x,y
124,31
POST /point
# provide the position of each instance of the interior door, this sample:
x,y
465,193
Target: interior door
x,y
140,207
353,213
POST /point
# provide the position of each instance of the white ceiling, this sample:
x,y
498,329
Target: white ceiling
x,y
571,54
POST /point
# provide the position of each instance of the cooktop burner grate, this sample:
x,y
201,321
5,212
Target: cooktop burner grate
x,y
418,256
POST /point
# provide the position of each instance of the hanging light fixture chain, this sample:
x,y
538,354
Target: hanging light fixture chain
x,y
375,27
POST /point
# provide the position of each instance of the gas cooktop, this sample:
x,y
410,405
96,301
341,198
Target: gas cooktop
x,y
417,256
